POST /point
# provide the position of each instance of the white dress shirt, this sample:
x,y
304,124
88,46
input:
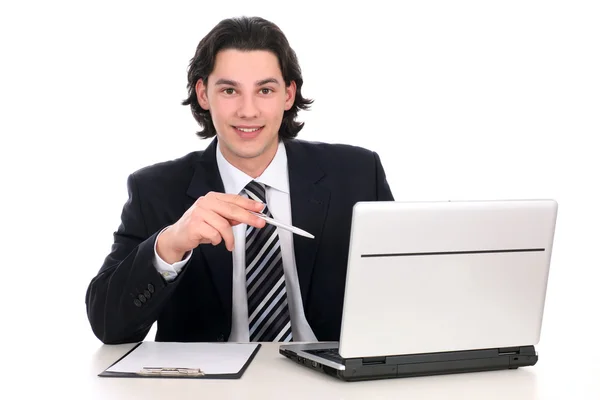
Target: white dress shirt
x,y
275,177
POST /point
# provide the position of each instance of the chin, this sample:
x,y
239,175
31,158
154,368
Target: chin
x,y
251,148
248,149
244,149
248,153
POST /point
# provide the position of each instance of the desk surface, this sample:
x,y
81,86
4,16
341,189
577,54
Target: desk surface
x,y
557,375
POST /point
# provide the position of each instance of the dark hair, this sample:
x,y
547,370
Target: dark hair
x,y
245,33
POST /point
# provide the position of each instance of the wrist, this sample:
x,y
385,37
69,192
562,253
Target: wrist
x,y
166,249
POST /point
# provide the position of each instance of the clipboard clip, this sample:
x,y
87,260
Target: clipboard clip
x,y
159,371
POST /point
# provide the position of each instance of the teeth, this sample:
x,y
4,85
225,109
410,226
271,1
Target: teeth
x,y
248,130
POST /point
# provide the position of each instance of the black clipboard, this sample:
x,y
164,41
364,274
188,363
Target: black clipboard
x,y
175,373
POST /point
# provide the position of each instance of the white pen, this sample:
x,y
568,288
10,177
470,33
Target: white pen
x,y
290,228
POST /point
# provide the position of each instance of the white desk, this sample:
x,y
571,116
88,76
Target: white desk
x,y
271,376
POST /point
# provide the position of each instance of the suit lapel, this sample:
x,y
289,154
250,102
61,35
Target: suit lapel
x,y
219,260
309,202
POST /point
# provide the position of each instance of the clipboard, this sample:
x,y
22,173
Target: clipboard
x,y
184,360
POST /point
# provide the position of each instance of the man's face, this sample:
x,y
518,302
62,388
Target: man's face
x,y
246,96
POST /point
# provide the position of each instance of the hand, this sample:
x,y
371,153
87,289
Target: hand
x,y
208,220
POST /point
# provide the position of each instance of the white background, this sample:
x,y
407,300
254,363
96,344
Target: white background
x,y
461,99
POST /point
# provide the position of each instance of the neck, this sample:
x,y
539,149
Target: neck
x,y
255,166
251,167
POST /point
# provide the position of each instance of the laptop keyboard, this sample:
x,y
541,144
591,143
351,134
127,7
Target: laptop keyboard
x,y
328,354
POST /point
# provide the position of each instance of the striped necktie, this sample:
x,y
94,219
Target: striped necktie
x,y
268,311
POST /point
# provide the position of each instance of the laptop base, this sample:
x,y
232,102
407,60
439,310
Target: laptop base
x,y
413,365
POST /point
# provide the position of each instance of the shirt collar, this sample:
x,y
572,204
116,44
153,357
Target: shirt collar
x,y
275,176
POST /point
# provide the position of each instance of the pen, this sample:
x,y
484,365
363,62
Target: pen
x,y
290,228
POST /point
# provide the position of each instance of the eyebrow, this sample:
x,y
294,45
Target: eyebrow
x,y
230,82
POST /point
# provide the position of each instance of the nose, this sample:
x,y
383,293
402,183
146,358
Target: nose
x,y
247,107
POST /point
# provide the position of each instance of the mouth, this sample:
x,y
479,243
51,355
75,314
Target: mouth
x,y
248,132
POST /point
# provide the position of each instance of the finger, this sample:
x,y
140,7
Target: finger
x,y
259,223
209,234
241,201
233,212
221,225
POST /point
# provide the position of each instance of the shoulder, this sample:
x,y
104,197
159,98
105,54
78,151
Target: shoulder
x,y
169,166
331,152
167,173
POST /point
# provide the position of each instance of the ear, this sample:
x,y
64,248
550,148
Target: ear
x,y
290,95
201,94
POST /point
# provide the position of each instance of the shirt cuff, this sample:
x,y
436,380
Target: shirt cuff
x,y
169,271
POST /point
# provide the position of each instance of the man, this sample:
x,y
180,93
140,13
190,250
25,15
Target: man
x,y
190,254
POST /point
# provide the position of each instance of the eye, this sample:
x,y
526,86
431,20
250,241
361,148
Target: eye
x,y
229,91
266,91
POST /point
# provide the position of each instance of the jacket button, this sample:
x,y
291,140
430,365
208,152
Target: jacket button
x,y
147,294
137,303
142,298
151,288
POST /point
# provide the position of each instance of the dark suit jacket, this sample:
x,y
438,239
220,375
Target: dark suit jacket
x,y
128,295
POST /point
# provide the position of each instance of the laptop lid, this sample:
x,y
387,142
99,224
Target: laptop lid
x,y
446,276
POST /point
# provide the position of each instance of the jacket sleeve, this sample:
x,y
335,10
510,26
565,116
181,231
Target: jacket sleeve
x,y
383,191
126,296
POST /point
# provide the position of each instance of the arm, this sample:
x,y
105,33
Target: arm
x,y
138,276
169,271
126,296
383,190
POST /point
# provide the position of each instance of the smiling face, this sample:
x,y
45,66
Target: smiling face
x,y
246,96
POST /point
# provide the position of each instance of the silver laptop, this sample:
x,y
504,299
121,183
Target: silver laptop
x,y
439,287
